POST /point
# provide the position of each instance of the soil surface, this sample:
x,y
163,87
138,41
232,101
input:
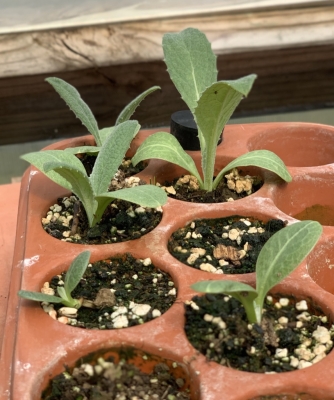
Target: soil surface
x,y
293,335
222,245
122,291
233,186
108,380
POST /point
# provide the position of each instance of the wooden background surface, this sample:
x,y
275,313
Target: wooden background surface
x,y
113,55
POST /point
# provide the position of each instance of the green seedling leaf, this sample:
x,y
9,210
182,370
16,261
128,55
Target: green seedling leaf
x,y
165,146
111,155
36,296
128,111
92,150
214,109
282,253
74,101
240,291
76,271
40,158
79,183
144,195
67,299
105,132
259,158
191,63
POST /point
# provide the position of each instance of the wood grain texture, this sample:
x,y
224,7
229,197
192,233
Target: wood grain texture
x,y
60,50
288,79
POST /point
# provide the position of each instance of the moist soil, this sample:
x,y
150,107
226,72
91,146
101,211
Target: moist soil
x,y
108,380
120,221
231,340
114,286
228,245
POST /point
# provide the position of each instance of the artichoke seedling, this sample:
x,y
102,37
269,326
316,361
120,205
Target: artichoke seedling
x,y
280,255
64,168
72,279
191,64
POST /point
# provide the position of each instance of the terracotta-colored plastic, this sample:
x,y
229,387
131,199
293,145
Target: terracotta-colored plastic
x,y
35,347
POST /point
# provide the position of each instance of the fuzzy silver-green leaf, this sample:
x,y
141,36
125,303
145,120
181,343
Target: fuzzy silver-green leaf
x,y
258,158
190,62
74,101
76,271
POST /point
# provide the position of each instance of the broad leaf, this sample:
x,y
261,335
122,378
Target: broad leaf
x,y
76,271
128,110
74,101
214,109
40,158
258,158
282,253
190,62
144,195
111,155
36,296
79,183
165,146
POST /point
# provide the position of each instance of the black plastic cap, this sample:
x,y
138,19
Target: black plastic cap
x,y
184,128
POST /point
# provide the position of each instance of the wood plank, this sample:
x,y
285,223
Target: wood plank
x,y
33,15
50,51
288,79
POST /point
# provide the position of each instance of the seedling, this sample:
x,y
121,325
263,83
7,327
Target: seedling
x,y
81,110
280,255
192,67
72,279
67,170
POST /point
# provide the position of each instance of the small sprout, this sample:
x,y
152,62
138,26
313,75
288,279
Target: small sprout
x,y
72,279
192,67
283,252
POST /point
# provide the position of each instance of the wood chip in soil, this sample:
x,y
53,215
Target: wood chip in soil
x,y
228,245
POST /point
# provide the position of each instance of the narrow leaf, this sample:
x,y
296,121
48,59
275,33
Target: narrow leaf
x,y
111,155
128,110
144,195
92,150
258,158
74,101
226,287
190,62
282,253
214,109
40,158
76,271
36,296
164,146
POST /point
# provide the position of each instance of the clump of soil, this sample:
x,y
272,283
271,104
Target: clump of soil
x,y
233,186
108,380
121,292
293,334
228,245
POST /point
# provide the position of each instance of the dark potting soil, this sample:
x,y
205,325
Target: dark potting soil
x,y
300,396
228,245
107,380
186,192
133,282
121,221
217,326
